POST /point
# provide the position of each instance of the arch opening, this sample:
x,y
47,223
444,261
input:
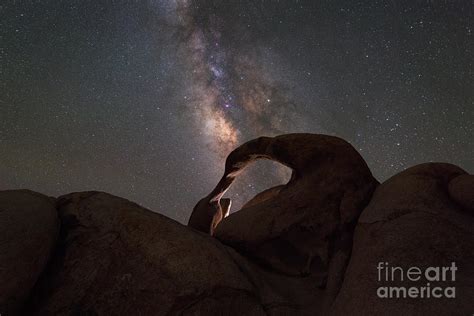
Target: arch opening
x,y
254,179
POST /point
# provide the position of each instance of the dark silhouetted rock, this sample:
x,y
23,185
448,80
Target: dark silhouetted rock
x,y
28,230
412,221
116,258
291,250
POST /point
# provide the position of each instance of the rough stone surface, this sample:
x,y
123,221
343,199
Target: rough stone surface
x,y
28,231
116,258
411,221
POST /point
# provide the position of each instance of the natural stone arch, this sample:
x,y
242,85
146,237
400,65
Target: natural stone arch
x,y
302,228
302,153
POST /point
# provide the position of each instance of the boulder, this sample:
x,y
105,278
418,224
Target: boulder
x,y
412,221
116,258
28,231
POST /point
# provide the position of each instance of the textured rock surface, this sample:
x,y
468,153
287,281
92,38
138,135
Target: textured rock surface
x,y
303,228
28,231
116,258
411,221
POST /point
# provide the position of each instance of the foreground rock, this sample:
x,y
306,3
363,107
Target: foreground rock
x,y
116,258
291,250
28,231
413,221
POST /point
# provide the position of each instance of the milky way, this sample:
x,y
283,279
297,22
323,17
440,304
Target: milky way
x,y
231,99
145,99
230,95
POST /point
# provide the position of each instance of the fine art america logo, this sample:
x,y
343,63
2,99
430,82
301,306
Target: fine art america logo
x,y
429,279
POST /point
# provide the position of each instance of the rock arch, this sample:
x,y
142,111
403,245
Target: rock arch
x,y
304,154
302,228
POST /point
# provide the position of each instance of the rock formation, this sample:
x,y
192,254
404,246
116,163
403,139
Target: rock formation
x,y
413,221
310,247
303,228
29,227
116,258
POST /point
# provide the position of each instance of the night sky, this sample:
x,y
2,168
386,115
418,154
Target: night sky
x,y
144,99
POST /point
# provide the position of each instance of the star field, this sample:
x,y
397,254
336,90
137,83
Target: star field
x,y
144,99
